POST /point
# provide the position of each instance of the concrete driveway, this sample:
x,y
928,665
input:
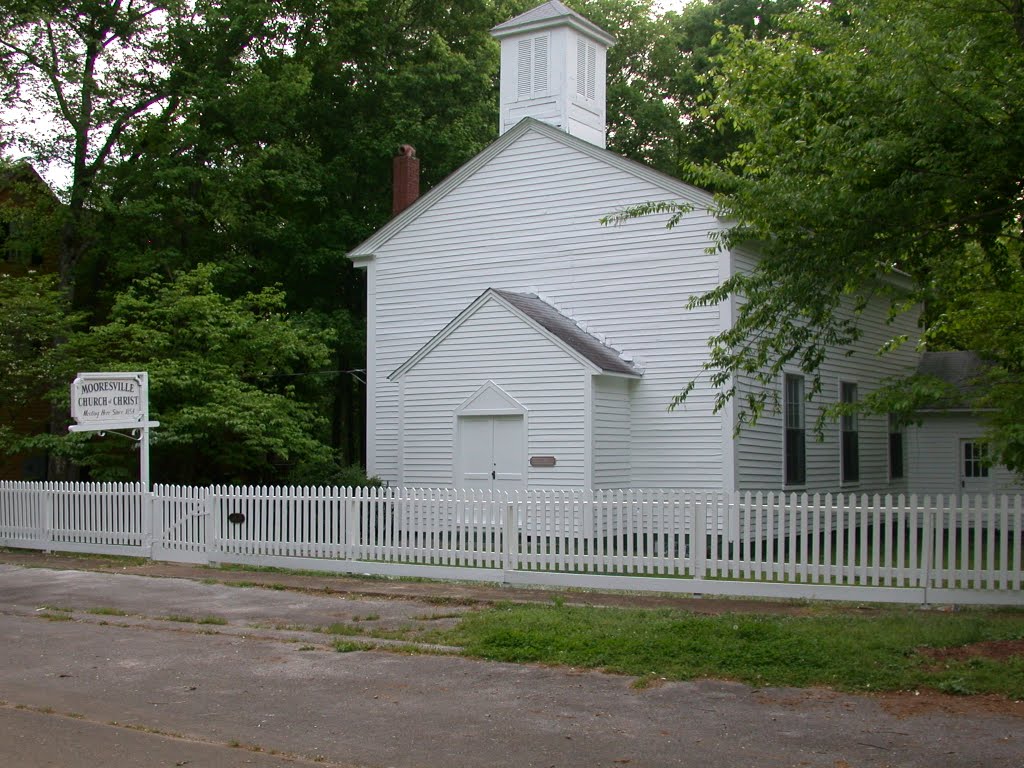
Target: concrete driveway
x,y
116,670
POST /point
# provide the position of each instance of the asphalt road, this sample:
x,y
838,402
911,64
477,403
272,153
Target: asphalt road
x,y
94,674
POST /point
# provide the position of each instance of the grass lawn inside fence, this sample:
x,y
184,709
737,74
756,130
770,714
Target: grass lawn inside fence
x,y
892,650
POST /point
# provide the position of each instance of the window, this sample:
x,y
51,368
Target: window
x,y
975,459
895,449
533,67
586,68
849,450
795,460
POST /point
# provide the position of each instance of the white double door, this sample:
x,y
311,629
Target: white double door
x,y
492,453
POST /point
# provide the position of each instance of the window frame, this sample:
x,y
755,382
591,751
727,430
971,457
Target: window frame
x,y
849,436
897,435
975,466
794,438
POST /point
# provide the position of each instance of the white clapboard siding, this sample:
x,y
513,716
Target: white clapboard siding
x,y
494,344
528,220
611,443
933,454
760,447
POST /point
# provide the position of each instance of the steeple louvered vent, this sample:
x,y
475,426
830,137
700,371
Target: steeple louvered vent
x,y
552,70
586,68
533,67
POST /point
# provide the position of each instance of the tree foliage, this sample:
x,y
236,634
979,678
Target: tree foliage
x,y
224,380
877,136
80,77
35,316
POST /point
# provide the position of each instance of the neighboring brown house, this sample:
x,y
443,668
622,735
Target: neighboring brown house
x,y
26,203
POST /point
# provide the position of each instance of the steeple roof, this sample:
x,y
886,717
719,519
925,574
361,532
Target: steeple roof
x,y
550,14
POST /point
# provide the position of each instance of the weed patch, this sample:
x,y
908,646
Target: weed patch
x,y
103,611
347,646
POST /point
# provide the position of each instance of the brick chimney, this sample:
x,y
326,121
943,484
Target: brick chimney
x,y
405,179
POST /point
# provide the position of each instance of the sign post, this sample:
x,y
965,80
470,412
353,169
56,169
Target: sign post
x,y
110,402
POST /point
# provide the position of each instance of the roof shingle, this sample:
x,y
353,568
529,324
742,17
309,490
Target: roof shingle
x,y
565,329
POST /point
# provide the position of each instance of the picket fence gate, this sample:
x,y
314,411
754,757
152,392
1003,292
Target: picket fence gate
x,y
953,549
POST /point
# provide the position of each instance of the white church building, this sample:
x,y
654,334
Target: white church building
x,y
515,340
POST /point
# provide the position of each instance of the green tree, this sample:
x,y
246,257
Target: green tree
x,y
879,135
35,315
698,36
276,174
80,76
79,79
225,378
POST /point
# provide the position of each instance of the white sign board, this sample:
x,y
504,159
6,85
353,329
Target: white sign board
x,y
110,401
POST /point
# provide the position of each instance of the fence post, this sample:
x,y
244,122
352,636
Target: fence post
x,y
700,535
147,512
928,543
508,534
348,524
211,527
47,521
351,521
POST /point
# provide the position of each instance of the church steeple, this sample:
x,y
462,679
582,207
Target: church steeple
x,y
553,69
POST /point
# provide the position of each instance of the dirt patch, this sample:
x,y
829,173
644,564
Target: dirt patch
x,y
919,703
998,650
900,704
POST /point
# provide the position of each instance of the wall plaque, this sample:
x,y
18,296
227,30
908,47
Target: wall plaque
x,y
542,461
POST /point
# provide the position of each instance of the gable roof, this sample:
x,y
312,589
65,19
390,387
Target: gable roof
x,y
962,370
566,329
561,330
956,368
673,188
552,13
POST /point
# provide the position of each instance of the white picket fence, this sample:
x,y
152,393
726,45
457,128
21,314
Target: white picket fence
x,y
915,550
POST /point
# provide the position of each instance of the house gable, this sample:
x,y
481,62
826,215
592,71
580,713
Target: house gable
x,y
545,320
529,221
490,400
670,187
493,366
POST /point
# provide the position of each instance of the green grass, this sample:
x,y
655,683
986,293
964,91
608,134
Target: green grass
x,y
104,611
194,620
347,646
843,651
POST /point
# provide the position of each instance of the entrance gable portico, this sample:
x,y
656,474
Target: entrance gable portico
x,y
496,387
